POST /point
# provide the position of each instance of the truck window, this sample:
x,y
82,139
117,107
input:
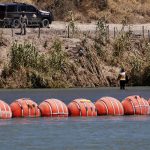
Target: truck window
x,y
22,8
2,12
31,9
2,9
11,8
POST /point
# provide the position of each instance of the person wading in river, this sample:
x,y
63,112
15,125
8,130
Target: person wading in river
x,y
122,78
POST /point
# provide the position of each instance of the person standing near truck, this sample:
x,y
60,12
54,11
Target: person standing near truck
x,y
23,23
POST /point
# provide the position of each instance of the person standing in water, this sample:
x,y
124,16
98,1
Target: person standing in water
x,y
122,78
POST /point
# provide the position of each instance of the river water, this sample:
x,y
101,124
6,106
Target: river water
x,y
77,133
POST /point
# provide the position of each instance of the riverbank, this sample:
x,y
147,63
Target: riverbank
x,y
58,58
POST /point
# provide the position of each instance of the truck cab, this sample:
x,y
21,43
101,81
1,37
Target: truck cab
x,y
12,12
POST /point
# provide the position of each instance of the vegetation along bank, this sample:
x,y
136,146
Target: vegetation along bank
x,y
71,58
78,59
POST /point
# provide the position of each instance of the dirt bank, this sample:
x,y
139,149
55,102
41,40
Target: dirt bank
x,y
84,57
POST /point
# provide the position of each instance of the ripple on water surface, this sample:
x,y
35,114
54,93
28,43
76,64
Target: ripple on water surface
x,y
125,132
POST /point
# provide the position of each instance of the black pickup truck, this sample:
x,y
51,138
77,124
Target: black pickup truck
x,y
11,12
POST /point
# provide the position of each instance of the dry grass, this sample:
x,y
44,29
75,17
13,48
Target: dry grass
x,y
23,1
135,11
60,63
90,69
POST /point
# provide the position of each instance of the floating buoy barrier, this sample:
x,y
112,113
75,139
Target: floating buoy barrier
x,y
53,108
5,111
25,108
82,107
135,105
109,106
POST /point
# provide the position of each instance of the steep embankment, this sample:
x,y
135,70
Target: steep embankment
x,y
85,59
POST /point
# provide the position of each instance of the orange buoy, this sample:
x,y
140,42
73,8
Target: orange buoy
x,y
109,106
5,111
149,101
53,108
82,107
135,105
25,108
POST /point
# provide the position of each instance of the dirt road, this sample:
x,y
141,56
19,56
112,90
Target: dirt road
x,y
135,28
56,26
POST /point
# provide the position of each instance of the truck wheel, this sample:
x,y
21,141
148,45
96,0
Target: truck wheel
x,y
16,23
45,23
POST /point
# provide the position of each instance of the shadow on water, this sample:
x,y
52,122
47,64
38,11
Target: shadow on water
x,y
75,120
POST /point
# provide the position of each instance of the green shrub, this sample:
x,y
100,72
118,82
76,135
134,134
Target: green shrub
x,y
136,71
121,44
23,56
146,76
37,80
57,57
101,37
